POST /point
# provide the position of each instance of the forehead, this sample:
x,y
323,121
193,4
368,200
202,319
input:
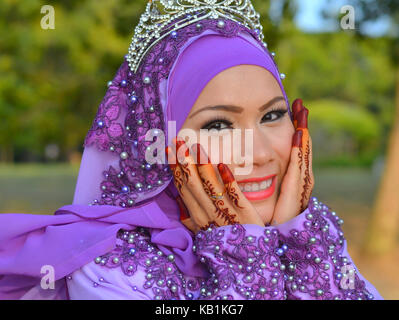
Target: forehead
x,y
240,84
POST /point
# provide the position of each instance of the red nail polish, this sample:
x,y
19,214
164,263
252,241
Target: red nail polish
x,y
225,173
297,106
201,156
182,144
303,118
297,139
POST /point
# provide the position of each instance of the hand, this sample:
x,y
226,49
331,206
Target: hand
x,y
298,181
203,199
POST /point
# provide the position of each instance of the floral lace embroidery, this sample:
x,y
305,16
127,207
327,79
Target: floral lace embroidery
x,y
305,264
314,256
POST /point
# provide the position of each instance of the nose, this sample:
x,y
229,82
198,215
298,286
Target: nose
x,y
262,151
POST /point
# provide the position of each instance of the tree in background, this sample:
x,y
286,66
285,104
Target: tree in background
x,y
52,81
384,225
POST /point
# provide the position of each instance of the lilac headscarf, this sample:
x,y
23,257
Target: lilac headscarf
x,y
177,69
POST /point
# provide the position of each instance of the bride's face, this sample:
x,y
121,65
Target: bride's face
x,y
247,97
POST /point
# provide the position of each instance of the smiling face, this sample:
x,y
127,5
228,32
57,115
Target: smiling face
x,y
248,97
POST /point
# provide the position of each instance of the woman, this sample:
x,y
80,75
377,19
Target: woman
x,y
222,230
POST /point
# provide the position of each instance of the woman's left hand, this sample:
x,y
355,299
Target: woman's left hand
x,y
298,181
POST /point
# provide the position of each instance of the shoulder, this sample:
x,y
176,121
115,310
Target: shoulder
x,y
120,273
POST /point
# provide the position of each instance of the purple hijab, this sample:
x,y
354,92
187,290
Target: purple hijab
x,y
115,188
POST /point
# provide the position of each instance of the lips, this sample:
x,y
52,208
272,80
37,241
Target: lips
x,y
258,188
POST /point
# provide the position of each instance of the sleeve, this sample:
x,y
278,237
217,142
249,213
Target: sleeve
x,y
243,263
93,282
318,263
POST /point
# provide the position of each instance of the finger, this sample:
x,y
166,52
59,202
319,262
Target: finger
x,y
288,204
185,216
306,150
297,106
189,202
246,212
194,185
224,209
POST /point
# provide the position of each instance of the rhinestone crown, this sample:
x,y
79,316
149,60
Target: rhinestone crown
x,y
163,17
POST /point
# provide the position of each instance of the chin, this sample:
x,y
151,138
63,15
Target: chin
x,y
265,209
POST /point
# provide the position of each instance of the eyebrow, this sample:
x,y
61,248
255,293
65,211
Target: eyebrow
x,y
236,109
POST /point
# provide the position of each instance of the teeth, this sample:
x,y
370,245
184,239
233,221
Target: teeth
x,y
253,187
263,185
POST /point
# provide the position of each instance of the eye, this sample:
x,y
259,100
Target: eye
x,y
218,124
274,115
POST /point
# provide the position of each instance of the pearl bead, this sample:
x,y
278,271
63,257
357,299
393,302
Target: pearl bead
x,y
109,83
98,260
124,155
174,34
112,148
115,260
312,240
147,80
198,26
151,109
133,99
123,83
171,257
273,54
282,76
138,185
221,24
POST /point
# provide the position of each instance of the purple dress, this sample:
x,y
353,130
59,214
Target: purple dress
x,y
304,258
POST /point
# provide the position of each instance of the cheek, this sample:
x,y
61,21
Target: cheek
x,y
283,146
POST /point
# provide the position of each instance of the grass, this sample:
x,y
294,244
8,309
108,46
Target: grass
x,y
43,188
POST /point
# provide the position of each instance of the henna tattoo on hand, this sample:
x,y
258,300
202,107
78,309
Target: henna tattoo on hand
x,y
210,223
219,204
178,180
185,170
228,179
232,192
307,180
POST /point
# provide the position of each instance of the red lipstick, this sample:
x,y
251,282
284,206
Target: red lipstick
x,y
262,194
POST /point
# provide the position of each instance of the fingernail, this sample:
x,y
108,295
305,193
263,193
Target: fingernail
x,y
225,173
182,144
183,211
303,118
297,106
170,157
297,139
201,156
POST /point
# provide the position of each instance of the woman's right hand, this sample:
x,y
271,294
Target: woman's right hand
x,y
203,199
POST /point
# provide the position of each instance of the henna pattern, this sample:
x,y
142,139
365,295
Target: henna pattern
x,y
232,192
186,171
178,180
219,204
209,225
307,180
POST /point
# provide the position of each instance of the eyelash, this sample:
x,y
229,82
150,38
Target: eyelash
x,y
221,119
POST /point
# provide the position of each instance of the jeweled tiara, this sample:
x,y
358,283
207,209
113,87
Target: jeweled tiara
x,y
164,17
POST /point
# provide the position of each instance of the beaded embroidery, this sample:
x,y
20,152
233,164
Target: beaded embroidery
x,y
304,264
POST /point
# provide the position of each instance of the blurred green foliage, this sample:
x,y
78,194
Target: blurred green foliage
x,y
52,81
